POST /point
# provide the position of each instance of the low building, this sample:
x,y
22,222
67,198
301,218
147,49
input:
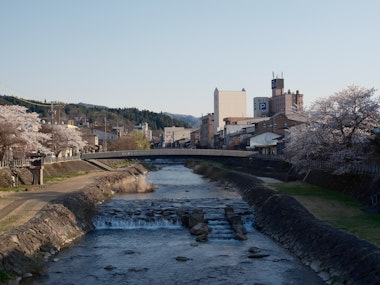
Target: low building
x,y
242,133
265,143
176,136
207,131
119,131
144,127
104,137
194,138
277,124
237,130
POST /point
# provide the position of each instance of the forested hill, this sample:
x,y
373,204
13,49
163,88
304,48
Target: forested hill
x,y
96,115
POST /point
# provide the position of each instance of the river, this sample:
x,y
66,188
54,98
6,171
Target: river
x,y
140,240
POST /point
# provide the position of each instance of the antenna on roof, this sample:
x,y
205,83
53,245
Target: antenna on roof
x,y
282,75
273,74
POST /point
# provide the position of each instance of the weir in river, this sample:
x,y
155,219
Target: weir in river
x,y
140,239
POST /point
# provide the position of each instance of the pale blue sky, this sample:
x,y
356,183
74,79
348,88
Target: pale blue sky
x,y
170,55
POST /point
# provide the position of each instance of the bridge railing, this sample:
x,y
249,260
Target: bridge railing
x,y
168,152
49,160
15,163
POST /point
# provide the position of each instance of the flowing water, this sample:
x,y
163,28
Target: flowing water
x,y
139,239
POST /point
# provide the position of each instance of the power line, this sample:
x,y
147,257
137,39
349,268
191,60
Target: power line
x,y
38,104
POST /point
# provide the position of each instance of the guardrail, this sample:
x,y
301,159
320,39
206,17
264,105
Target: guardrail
x,y
48,160
27,162
368,169
168,152
15,163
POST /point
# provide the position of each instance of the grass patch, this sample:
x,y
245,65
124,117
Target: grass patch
x,y
13,189
335,209
46,180
299,188
63,177
122,164
4,276
9,223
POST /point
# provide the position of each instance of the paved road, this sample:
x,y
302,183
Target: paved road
x,y
17,208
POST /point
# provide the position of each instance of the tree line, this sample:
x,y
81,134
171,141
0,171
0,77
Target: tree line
x,y
96,115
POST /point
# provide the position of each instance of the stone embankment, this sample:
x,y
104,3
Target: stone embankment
x,y
337,257
25,249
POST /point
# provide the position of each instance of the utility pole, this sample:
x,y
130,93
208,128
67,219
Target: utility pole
x,y
105,134
51,127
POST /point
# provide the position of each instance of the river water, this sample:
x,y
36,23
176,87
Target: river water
x,y
139,239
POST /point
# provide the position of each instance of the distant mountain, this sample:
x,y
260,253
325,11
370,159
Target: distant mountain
x,y
92,106
191,120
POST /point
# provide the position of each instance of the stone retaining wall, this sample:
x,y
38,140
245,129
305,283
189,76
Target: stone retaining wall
x,y
337,257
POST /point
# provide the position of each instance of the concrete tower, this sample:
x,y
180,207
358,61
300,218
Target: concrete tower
x,y
282,102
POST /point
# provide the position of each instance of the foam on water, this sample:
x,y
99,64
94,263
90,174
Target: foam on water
x,y
107,223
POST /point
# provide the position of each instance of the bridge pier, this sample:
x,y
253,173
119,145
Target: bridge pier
x,y
37,169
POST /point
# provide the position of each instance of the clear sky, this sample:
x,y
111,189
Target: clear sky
x,y
170,55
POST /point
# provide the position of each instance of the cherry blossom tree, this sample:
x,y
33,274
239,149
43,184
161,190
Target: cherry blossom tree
x,y
19,132
63,138
337,131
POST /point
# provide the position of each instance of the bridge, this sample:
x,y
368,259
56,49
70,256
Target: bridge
x,y
168,152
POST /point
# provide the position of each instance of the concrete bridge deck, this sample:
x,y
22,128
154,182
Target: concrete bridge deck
x,y
168,152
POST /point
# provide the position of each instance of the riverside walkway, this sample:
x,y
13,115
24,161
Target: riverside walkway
x,y
16,208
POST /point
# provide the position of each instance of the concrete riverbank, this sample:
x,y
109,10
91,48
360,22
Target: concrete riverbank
x,y
336,256
65,216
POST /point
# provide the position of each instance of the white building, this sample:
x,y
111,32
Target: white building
x,y
265,143
174,135
228,104
143,127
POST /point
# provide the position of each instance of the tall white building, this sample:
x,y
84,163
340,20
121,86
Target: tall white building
x,y
228,104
